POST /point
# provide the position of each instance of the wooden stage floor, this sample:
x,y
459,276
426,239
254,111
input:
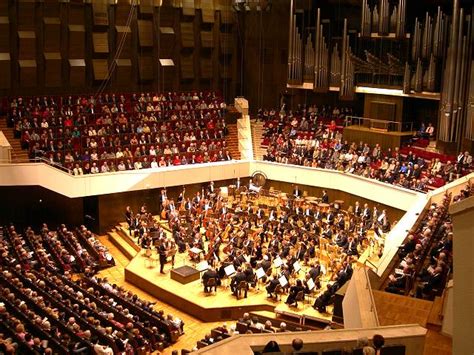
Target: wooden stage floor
x,y
190,298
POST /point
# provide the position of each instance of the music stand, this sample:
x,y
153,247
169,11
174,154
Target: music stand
x,y
202,266
197,251
296,266
260,273
229,270
277,262
283,281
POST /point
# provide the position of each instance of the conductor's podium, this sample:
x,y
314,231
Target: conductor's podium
x,y
185,274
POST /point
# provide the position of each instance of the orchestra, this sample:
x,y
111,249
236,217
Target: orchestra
x,y
293,243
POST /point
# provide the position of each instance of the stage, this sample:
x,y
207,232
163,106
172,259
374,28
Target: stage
x,y
144,273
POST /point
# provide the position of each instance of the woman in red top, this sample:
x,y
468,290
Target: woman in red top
x,y
176,161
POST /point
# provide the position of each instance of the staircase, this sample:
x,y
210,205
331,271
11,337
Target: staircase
x,y
120,237
257,132
18,155
232,140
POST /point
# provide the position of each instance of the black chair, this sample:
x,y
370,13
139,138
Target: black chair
x,y
241,327
393,350
242,286
212,283
299,297
332,352
200,344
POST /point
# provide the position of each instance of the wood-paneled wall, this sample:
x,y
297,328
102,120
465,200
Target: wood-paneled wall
x,y
55,46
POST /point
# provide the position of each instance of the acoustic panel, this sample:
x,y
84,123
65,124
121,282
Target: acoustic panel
x,y
27,73
145,68
208,15
124,39
51,34
100,14
77,72
5,70
206,68
26,16
123,71
145,33
52,69
187,35
100,42
26,45
4,34
207,39
226,42
187,67
100,69
77,39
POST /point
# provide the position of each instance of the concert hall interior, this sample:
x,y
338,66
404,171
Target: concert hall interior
x,y
236,177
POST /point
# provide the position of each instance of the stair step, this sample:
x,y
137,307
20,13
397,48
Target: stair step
x,y
122,245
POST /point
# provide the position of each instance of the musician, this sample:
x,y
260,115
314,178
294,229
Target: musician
x,y
272,285
250,275
272,215
296,192
325,197
236,279
162,254
188,204
308,212
211,189
260,213
351,247
294,290
340,222
171,249
162,199
330,217
210,273
318,215
301,252
323,300
366,212
180,198
314,271
197,199
357,209
129,217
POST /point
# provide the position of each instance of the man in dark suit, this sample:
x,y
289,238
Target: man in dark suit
x,y
162,254
325,197
314,271
209,274
271,286
296,192
238,277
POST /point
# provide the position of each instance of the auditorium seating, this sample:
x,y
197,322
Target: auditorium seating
x,y
425,259
110,132
308,139
43,309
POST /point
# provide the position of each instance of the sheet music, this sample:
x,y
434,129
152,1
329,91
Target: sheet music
x,y
311,284
277,262
202,266
229,270
283,281
260,273
297,266
195,250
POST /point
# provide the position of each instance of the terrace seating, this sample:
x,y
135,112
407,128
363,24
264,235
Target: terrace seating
x,y
122,132
40,300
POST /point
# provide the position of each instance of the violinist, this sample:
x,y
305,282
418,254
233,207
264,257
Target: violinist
x,y
210,274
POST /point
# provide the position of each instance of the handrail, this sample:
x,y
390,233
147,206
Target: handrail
x,y
392,126
373,308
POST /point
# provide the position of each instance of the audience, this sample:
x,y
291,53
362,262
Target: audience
x,y
107,134
314,139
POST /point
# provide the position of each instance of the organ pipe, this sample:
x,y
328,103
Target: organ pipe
x,y
321,61
384,17
365,27
401,19
335,79
415,49
347,68
406,79
309,59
